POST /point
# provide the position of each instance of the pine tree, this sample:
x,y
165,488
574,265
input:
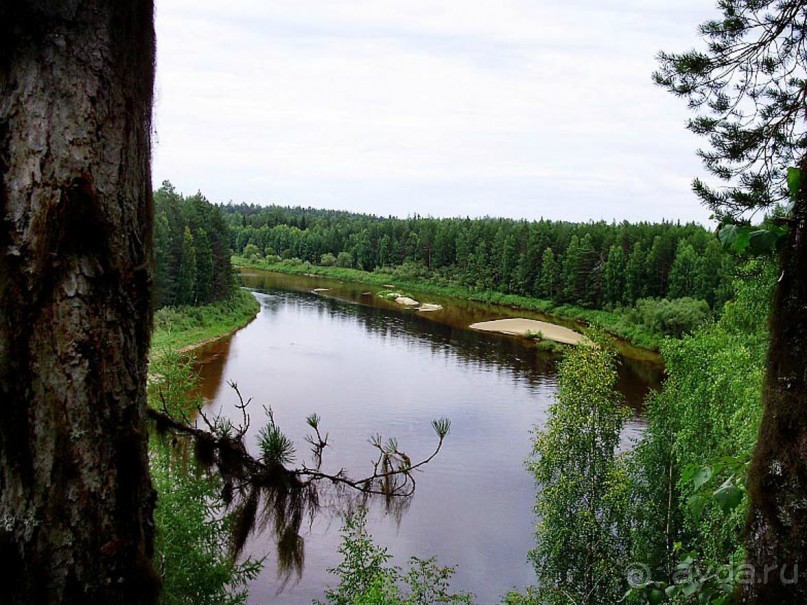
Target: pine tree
x,y
186,277
204,268
75,301
572,262
635,275
614,276
588,279
685,276
550,275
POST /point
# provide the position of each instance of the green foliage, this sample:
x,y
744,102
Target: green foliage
x,y
326,260
581,503
748,88
251,251
685,272
186,276
671,317
191,241
366,578
636,274
177,327
614,276
556,261
344,259
747,240
276,448
688,473
192,539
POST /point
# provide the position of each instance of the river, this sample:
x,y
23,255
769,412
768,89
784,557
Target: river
x,y
366,366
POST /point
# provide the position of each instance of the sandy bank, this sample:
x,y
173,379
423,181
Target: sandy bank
x,y
522,327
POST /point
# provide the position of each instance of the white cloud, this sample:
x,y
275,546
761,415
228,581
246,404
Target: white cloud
x,y
509,108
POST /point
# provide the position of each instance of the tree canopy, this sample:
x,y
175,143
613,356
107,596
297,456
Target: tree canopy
x,y
575,263
748,87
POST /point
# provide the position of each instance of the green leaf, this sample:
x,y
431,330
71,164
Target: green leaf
x,y
763,241
727,235
688,472
690,588
655,596
728,497
696,504
793,180
743,239
701,476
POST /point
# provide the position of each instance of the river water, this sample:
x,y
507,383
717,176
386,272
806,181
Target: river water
x,y
366,366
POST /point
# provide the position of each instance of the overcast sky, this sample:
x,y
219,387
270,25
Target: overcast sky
x,y
518,108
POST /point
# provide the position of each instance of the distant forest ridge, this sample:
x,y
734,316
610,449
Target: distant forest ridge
x,y
594,264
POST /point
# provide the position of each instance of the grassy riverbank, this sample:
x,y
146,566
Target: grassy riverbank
x,y
614,322
184,328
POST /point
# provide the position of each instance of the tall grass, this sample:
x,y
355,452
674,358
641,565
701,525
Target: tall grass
x,y
177,328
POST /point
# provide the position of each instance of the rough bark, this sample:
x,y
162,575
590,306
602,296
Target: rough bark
x,y
777,522
76,80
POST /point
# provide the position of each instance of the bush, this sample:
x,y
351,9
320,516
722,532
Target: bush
x,y
344,260
327,260
251,251
192,535
365,578
671,317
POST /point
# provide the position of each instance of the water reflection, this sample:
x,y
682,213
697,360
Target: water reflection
x,y
365,366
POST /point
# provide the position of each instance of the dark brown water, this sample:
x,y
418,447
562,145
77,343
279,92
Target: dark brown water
x,y
366,366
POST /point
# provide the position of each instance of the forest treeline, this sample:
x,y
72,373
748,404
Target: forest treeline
x,y
594,265
192,250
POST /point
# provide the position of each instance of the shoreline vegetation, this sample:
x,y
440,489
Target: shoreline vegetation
x,y
616,322
183,329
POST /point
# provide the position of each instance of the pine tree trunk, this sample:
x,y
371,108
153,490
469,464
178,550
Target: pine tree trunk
x,y
777,523
76,80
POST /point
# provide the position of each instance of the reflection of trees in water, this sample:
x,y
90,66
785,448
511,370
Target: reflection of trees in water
x,y
273,490
282,500
477,351
481,352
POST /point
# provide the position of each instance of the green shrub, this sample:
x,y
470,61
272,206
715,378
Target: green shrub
x,y
192,540
707,415
344,260
671,317
366,578
327,260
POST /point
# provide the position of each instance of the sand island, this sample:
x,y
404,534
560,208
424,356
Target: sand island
x,y
519,326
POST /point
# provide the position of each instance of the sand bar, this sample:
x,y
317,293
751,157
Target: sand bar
x,y
406,301
430,307
521,327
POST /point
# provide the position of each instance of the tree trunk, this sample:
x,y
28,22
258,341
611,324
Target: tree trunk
x,y
76,80
776,533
